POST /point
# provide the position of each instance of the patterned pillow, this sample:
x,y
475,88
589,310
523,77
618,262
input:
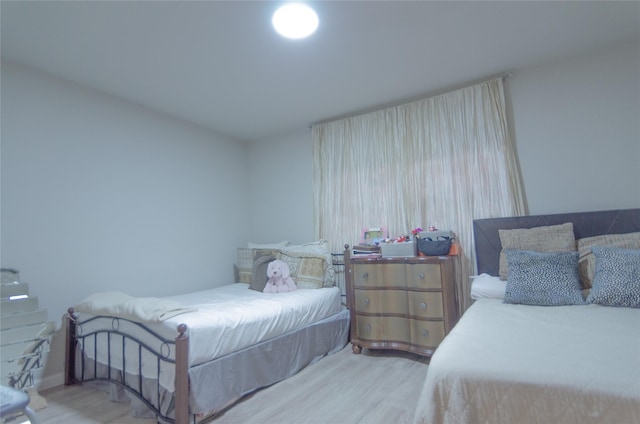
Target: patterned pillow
x,y
547,279
617,277
245,260
307,270
587,262
552,238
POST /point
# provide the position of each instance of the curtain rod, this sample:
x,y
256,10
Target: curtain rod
x,y
504,76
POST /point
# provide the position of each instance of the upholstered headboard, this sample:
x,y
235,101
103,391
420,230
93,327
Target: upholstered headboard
x,y
585,224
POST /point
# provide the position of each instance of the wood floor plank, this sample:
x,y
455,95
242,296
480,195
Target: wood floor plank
x,y
375,387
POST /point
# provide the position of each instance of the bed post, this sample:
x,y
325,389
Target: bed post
x,y
182,376
70,347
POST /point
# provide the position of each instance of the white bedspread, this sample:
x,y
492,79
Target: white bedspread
x,y
532,364
225,320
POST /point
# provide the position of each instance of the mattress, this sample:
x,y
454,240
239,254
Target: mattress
x,y
506,363
225,320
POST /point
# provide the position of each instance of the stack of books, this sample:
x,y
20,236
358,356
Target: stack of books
x,y
366,251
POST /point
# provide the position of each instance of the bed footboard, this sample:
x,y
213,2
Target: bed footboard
x,y
80,367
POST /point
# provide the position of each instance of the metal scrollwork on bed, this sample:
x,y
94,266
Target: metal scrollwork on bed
x,y
79,367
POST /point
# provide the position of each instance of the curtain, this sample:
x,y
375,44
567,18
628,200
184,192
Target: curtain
x,y
442,161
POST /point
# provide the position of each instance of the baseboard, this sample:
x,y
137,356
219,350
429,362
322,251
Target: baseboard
x,y
50,381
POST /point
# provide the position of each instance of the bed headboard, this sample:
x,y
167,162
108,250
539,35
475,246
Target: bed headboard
x,y
585,224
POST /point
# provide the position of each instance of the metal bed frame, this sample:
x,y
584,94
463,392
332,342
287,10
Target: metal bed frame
x,y
174,352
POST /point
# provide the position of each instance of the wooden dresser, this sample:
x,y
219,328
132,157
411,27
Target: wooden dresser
x,y
400,303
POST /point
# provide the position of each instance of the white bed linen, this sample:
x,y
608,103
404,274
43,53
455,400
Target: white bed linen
x,y
485,286
534,364
227,319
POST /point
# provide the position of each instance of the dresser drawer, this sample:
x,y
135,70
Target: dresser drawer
x,y
379,275
425,304
382,302
424,276
396,329
427,333
383,328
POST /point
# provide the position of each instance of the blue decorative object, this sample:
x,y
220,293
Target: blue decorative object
x,y
617,278
546,279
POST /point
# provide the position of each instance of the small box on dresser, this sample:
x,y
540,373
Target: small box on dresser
x,y
404,303
399,250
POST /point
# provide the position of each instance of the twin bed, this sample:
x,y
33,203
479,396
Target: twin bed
x,y
558,363
185,358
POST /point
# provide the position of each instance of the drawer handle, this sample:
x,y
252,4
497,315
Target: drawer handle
x,y
425,333
423,306
422,275
367,328
365,275
366,301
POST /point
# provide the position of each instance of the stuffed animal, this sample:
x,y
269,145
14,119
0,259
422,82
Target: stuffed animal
x,y
280,280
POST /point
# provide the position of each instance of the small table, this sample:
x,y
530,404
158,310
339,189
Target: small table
x,y
13,401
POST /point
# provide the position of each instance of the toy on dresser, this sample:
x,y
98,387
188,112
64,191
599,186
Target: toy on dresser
x,y
280,280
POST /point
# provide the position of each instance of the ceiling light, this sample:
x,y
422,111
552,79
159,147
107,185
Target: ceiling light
x,y
295,20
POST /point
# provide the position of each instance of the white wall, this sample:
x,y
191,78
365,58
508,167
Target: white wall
x,y
98,193
281,188
101,194
577,133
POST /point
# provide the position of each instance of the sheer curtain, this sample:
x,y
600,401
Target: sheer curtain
x,y
441,161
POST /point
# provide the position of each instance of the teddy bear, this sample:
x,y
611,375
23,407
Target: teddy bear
x,y
280,280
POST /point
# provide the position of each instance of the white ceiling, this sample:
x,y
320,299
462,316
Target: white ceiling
x,y
220,64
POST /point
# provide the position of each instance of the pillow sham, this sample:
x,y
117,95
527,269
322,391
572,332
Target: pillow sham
x,y
307,270
551,238
587,261
617,277
245,259
485,286
545,279
319,247
244,263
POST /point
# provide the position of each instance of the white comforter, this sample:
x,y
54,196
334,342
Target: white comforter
x,y
532,364
224,320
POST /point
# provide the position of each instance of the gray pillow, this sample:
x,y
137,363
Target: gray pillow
x,y
617,277
259,272
551,238
546,279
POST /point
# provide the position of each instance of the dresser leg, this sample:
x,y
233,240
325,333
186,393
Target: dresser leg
x,y
356,349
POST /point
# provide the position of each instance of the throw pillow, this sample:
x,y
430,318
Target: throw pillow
x,y
547,279
617,277
552,238
307,270
587,261
259,272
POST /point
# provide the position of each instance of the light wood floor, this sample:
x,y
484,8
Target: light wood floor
x,y
373,387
